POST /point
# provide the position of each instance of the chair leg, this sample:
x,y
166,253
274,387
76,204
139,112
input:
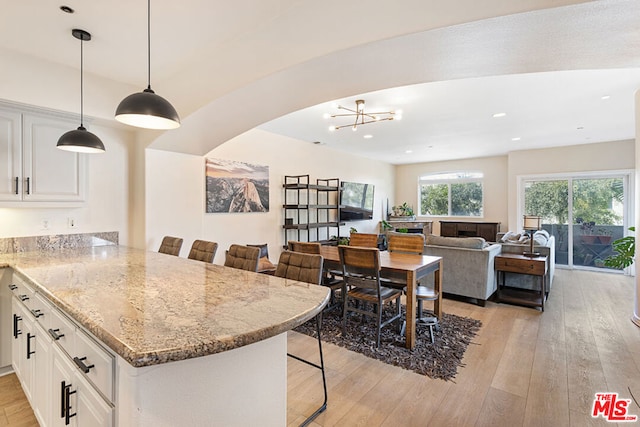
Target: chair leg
x,y
321,367
379,309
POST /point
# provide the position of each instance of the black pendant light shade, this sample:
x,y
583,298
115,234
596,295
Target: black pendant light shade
x,y
146,109
80,140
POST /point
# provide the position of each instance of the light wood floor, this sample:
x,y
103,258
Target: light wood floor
x,y
526,368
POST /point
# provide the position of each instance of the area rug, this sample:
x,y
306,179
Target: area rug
x,y
439,360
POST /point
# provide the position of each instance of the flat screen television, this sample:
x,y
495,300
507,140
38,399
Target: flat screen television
x,y
356,201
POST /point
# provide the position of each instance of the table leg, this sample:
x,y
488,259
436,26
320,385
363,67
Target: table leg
x,y
437,285
410,337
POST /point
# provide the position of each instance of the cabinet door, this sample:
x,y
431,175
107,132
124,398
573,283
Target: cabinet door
x,y
23,347
448,229
17,332
10,155
50,174
74,399
488,232
42,377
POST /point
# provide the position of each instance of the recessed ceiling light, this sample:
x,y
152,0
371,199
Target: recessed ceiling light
x,y
497,115
367,136
408,151
517,138
605,97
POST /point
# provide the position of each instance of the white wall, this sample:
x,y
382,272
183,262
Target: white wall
x,y
106,208
175,190
495,185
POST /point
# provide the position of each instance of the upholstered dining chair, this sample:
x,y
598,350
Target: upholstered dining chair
x,y
365,240
203,250
304,247
242,257
361,272
413,243
170,245
307,268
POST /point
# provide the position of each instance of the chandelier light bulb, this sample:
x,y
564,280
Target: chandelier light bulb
x,y
332,128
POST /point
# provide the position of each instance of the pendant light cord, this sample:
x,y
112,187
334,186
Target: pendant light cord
x,y
81,81
148,44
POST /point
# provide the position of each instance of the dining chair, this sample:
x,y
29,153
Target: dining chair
x,y
304,247
365,240
170,245
413,243
307,268
242,257
203,250
361,272
330,278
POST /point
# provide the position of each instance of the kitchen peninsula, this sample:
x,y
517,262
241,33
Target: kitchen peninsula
x,y
192,343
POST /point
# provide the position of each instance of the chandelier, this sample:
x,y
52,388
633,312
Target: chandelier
x,y
362,117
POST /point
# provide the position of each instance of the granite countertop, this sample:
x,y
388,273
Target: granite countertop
x,y
152,308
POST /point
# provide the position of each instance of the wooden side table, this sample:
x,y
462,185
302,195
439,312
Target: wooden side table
x,y
521,264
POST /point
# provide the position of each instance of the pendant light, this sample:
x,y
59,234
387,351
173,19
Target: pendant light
x,y
81,140
146,109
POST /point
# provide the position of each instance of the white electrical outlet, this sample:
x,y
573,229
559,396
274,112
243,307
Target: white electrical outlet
x,y
45,224
71,223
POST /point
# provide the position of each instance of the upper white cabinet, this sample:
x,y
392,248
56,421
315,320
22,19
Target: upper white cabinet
x,y
33,169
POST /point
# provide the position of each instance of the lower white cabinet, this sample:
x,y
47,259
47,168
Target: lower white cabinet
x,y
66,384
75,401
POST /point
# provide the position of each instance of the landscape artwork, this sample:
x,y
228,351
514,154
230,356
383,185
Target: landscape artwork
x,y
236,186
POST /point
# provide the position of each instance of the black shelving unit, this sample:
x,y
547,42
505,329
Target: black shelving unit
x,y
311,211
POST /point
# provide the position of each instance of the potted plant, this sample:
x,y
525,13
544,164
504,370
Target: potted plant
x,y
587,231
604,236
625,249
403,212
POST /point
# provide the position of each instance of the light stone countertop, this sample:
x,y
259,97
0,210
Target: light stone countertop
x,y
152,308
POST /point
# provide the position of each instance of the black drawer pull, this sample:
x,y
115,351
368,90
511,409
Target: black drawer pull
x,y
55,335
13,287
23,297
66,403
80,363
37,313
16,331
29,352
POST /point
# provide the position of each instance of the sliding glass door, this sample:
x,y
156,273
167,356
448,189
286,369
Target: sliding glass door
x,y
585,213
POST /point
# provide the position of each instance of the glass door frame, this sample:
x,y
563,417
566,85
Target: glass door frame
x,y
628,179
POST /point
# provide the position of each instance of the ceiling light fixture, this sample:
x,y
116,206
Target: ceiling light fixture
x,y
517,138
363,118
146,109
81,140
498,115
367,136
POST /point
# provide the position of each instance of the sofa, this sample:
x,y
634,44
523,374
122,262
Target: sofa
x,y
517,243
468,269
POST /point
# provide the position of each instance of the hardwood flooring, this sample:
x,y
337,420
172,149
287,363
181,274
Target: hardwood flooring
x,y
525,368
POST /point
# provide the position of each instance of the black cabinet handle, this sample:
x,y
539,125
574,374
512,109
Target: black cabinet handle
x,y
54,334
62,402
13,287
16,331
37,313
23,297
67,399
29,352
80,363
17,185
28,185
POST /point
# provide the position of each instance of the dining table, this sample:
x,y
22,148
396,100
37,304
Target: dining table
x,y
408,267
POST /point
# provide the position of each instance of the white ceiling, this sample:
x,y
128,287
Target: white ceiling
x,y
231,66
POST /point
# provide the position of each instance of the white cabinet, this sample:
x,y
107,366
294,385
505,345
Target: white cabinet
x,y
33,169
67,376
75,401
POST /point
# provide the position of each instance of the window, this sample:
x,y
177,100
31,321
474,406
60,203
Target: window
x,y
451,194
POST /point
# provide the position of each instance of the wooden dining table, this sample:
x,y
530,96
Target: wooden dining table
x,y
409,267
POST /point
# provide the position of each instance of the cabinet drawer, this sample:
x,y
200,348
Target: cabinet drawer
x,y
467,227
62,331
22,291
41,310
523,266
99,363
